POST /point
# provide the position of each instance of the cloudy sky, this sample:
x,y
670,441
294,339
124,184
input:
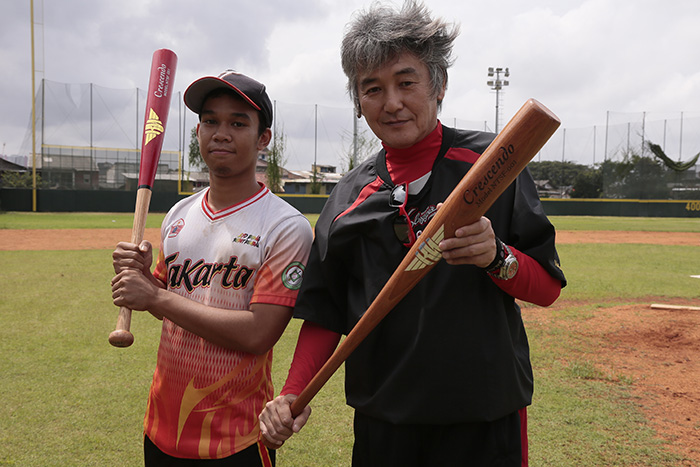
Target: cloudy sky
x,y
581,58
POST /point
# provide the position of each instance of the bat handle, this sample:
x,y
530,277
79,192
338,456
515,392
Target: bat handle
x,y
121,336
304,398
297,407
266,443
340,354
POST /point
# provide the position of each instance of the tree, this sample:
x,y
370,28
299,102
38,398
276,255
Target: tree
x,y
20,180
358,148
194,157
275,162
635,177
588,184
316,182
560,174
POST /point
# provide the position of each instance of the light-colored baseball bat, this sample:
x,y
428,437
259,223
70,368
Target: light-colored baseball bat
x,y
499,165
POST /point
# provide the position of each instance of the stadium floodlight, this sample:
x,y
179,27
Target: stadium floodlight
x,y
497,85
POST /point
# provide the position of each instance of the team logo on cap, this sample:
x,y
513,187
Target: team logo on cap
x,y
154,126
292,275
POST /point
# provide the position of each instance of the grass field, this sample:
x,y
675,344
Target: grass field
x,y
70,399
29,220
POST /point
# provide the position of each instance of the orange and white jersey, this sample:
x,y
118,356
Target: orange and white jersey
x,y
205,400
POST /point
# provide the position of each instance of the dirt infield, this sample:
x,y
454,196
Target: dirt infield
x,y
69,239
86,239
658,350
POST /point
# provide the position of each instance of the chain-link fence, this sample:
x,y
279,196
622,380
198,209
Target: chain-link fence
x,y
88,136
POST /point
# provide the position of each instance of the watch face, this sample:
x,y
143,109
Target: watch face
x,y
511,268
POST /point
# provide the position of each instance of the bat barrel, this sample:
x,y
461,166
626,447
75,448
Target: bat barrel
x,y
160,91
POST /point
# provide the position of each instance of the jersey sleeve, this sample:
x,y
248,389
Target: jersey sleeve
x,y
286,253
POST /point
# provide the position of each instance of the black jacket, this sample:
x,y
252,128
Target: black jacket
x,y
454,349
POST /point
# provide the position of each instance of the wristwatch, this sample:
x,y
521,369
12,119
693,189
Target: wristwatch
x,y
505,265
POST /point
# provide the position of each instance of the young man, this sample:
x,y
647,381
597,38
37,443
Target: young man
x,y
445,378
227,276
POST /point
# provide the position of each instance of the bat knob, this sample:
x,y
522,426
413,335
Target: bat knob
x,y
121,338
267,443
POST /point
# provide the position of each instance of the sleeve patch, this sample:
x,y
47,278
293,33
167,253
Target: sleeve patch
x,y
293,275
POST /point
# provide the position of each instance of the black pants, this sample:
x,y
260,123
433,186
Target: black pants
x,y
382,444
249,457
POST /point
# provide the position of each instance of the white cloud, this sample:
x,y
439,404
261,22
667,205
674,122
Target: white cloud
x,y
581,58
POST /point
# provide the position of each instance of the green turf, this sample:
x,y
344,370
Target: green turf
x,y
33,220
73,220
645,224
625,272
70,399
63,383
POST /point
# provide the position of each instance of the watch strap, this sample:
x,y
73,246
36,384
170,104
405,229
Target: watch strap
x,y
509,268
500,258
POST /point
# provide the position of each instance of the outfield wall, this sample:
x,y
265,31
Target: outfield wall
x,y
123,201
621,207
14,199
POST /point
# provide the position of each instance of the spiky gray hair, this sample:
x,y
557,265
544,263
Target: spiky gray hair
x,y
381,34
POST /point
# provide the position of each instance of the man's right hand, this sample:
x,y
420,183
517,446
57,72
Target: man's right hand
x,y
276,422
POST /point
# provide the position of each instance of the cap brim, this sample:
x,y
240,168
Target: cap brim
x,y
200,89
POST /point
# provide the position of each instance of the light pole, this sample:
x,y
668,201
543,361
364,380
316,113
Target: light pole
x,y
496,85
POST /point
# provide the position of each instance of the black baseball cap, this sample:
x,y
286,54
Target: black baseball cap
x,y
250,90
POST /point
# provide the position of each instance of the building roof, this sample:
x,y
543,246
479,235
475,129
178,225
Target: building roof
x,y
8,166
306,176
173,176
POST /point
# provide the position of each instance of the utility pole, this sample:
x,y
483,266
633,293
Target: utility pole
x,y
31,13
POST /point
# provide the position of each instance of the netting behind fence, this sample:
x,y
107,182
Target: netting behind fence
x,y
103,128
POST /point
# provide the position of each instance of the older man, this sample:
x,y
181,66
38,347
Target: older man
x,y
445,378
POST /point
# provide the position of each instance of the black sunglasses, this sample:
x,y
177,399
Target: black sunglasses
x,y
402,224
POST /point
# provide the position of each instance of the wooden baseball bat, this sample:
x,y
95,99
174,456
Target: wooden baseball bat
x,y
160,90
663,306
486,180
